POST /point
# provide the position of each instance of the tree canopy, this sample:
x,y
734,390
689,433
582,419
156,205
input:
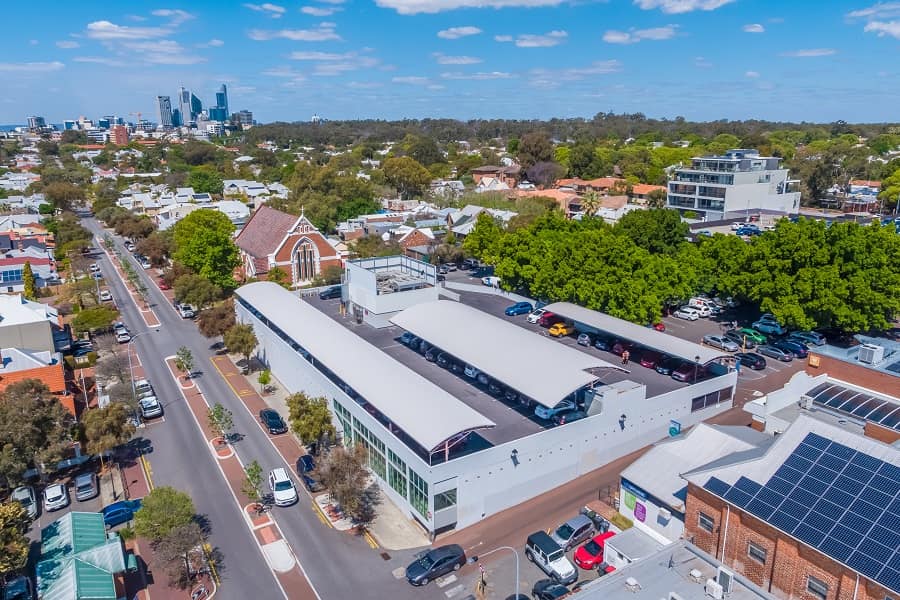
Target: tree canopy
x,y
406,175
309,417
14,544
163,510
203,243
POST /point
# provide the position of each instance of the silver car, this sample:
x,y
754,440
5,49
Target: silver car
x,y
573,532
720,342
56,496
24,495
86,487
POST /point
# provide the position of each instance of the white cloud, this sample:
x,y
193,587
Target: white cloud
x,y
213,43
320,34
443,59
33,42
481,76
67,44
702,63
99,60
104,30
754,28
552,38
351,62
503,38
318,56
31,67
364,85
675,7
273,10
163,52
455,33
411,80
634,36
880,10
320,11
550,78
810,52
284,72
883,28
413,7
752,74
176,16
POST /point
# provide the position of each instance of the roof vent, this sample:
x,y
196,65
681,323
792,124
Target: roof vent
x,y
806,402
871,354
632,584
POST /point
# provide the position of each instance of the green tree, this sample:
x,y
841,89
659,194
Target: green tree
x,y
252,484
278,275
535,147
14,544
162,511
106,428
483,237
310,418
658,230
890,190
264,378
216,320
203,243
372,245
184,360
657,199
343,471
63,195
240,339
30,291
93,319
179,550
156,247
425,151
220,420
205,179
407,176
196,290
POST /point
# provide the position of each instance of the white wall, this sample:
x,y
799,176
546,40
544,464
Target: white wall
x,y
665,529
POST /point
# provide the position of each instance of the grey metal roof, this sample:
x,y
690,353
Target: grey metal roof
x,y
542,369
645,336
428,414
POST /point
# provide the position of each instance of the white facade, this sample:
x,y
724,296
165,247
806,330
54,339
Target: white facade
x,y
468,488
719,187
372,302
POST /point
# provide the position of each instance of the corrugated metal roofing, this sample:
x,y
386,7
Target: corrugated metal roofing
x,y
645,336
538,367
428,414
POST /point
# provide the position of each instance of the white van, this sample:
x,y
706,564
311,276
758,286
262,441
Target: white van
x,y
704,306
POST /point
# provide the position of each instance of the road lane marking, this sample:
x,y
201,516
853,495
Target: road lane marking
x,y
145,465
445,581
455,591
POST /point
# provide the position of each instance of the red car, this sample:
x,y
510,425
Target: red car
x,y
548,319
659,326
651,358
621,346
163,285
590,556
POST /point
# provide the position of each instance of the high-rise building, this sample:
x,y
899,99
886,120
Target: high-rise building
x,y
222,100
242,118
189,105
119,135
176,118
218,114
165,112
36,123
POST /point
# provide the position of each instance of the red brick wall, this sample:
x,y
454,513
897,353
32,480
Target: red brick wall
x,y
788,563
855,374
881,433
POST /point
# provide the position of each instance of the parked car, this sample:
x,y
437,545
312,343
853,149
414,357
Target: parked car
x,y
547,589
95,268
435,563
471,372
450,266
585,339
569,416
432,353
491,281
688,372
753,334
444,360
443,270
721,342
535,315
548,319
561,329
795,347
163,285
602,342
311,484
511,396
704,306
86,487
621,346
773,352
747,230
667,365
573,532
542,412
142,388
658,326
186,311
18,588
24,495
550,558
751,360
742,340
120,512
651,358
272,421
687,313
284,493
810,338
331,292
56,496
519,308
144,262
405,338
306,464
495,389
123,337
590,556
768,326
105,296
150,407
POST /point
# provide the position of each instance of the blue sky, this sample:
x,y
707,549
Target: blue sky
x,y
702,59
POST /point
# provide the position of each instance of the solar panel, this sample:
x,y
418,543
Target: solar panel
x,y
828,461
784,521
816,441
870,463
769,495
885,485
803,497
859,474
760,509
810,535
860,523
838,497
890,578
814,486
846,535
887,537
781,486
864,564
860,405
799,463
716,486
846,484
808,452
878,552
836,549
747,485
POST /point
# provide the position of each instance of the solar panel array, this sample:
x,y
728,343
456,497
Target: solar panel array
x,y
833,498
860,405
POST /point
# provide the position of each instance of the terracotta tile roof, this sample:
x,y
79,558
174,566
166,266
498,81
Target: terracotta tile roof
x,y
865,182
643,189
264,231
614,202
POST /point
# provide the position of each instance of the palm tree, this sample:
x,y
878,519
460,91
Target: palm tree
x,y
591,202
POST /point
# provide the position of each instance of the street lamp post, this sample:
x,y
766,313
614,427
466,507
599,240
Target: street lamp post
x,y
515,552
130,367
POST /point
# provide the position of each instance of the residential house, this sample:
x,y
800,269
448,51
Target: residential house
x,y
447,188
168,216
462,221
17,182
17,364
273,238
30,203
640,192
508,175
491,184
237,212
26,324
601,185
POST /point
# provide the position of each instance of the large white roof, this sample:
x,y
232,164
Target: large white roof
x,y
645,336
428,414
542,369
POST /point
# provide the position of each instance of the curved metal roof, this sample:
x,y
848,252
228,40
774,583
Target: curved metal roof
x,y
538,367
645,336
425,412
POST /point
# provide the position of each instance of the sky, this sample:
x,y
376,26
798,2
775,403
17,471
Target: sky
x,y
796,60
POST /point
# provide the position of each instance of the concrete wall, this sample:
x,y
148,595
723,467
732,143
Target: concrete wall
x,y
644,512
28,336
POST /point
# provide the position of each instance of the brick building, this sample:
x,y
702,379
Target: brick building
x,y
273,238
814,517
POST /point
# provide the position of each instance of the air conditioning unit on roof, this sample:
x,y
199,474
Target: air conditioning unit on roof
x,y
712,588
871,354
806,402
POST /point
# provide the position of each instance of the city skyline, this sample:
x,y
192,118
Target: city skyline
x,y
700,59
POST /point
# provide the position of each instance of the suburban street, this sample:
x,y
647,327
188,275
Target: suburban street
x,y
337,564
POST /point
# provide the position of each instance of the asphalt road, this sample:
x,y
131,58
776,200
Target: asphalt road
x,y
339,565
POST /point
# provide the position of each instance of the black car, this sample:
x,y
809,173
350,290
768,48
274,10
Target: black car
x,y
603,343
306,464
740,339
329,293
431,354
443,360
311,484
495,389
547,589
751,360
667,365
434,563
272,421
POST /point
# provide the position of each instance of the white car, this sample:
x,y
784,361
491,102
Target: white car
x,y
186,311
95,268
720,342
123,337
105,296
471,372
56,496
491,281
535,315
687,313
542,412
150,407
142,388
284,492
24,495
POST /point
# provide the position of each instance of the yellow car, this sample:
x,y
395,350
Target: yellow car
x,y
561,329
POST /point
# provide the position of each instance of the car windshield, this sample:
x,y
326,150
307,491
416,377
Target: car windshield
x,y
593,548
24,499
556,555
283,486
54,495
84,487
564,532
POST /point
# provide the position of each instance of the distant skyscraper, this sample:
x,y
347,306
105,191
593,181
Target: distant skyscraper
x,y
222,100
36,123
242,118
189,105
165,112
218,114
176,118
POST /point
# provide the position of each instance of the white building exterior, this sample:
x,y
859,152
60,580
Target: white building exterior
x,y
379,288
720,187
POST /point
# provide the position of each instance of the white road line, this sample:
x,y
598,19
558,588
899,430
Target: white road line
x,y
445,581
455,591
